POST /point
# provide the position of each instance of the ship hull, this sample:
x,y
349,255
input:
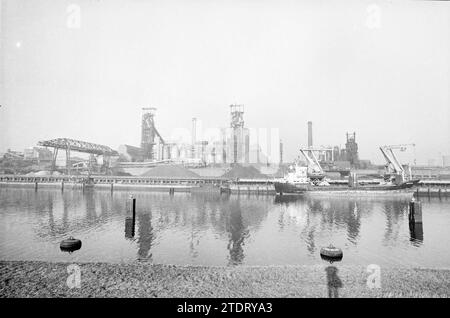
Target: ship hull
x,y
299,189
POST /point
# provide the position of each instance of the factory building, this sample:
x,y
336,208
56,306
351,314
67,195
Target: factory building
x,y
336,156
446,161
38,154
235,144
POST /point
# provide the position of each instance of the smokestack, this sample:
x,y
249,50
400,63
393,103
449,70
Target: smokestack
x,y
194,136
310,139
194,130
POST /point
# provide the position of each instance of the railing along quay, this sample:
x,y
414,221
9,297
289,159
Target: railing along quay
x,y
112,179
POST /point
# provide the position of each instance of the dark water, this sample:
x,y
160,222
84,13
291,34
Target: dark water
x,y
220,230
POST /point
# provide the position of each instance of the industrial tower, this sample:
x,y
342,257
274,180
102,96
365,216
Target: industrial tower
x,y
240,135
237,116
351,148
149,132
310,137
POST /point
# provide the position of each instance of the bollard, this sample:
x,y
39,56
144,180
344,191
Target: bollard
x,y
130,219
131,207
62,185
353,180
415,212
112,187
35,186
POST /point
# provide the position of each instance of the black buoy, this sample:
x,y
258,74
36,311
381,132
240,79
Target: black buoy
x,y
331,253
69,245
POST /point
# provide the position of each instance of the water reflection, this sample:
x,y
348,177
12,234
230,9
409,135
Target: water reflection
x,y
395,212
129,228
324,213
333,282
211,229
238,233
335,214
145,236
416,233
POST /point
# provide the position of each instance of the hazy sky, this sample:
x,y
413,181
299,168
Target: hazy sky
x,y
379,68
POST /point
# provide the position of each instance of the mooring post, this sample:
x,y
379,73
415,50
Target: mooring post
x,y
415,211
353,180
131,210
132,206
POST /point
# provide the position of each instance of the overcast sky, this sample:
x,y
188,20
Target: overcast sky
x,y
379,68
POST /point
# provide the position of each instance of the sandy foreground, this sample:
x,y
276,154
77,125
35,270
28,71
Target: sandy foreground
x,y
43,279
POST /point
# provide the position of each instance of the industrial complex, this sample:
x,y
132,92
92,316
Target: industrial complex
x,y
252,153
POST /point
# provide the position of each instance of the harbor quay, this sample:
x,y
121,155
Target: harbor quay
x,y
424,188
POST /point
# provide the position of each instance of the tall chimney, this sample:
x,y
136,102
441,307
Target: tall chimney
x,y
194,130
310,139
194,136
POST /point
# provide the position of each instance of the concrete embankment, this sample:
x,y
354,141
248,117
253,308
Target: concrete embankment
x,y
42,279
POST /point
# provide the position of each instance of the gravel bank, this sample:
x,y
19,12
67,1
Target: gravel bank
x,y
42,279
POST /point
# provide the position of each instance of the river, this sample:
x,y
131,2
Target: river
x,y
197,229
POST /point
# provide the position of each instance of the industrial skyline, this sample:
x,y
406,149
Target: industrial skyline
x,y
211,149
346,75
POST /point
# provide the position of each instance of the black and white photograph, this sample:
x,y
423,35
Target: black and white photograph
x,y
245,150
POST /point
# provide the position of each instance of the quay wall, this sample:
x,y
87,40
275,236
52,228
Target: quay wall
x,y
425,188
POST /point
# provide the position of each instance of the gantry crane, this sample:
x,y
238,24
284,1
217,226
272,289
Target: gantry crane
x,y
394,167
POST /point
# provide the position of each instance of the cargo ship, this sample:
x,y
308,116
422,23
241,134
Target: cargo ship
x,y
311,179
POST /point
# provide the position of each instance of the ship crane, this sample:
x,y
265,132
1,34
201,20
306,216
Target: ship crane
x,y
314,168
393,165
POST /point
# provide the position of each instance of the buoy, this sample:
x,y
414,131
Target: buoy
x,y
331,253
71,244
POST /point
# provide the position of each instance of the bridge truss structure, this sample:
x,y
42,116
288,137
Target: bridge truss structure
x,y
69,145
